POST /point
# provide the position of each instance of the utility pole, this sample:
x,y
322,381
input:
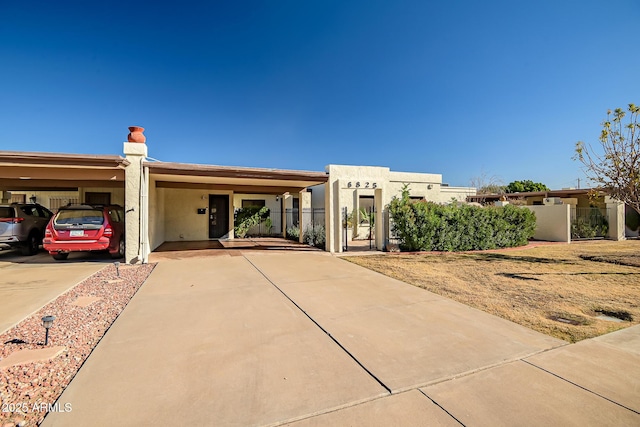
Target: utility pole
x,y
578,183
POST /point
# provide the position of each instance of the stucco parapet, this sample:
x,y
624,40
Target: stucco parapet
x,y
357,172
409,177
135,149
611,201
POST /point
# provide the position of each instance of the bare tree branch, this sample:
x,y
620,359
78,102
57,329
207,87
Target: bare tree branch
x,y
615,168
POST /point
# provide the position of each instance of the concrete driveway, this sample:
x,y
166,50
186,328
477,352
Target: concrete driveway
x,y
29,282
309,339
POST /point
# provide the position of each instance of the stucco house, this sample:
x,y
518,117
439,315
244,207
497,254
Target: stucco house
x,y
166,201
568,214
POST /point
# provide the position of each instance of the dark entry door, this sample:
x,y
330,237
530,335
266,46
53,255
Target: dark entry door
x,y
218,216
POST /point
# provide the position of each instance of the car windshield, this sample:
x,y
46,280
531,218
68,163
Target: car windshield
x,y
6,212
80,217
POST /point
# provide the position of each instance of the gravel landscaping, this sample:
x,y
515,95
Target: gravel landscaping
x,y
82,317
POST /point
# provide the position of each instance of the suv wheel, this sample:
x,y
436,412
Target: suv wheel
x,y
32,245
120,253
60,256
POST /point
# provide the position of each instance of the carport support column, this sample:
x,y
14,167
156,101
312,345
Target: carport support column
x,y
135,152
287,203
304,206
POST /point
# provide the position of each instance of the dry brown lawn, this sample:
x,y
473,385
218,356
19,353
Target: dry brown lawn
x,y
556,289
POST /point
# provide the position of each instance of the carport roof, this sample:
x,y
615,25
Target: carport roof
x,y
54,171
229,178
62,159
167,168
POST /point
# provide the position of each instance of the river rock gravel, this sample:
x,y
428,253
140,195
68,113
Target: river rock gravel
x,y
29,390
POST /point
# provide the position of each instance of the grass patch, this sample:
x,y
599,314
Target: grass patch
x,y
557,289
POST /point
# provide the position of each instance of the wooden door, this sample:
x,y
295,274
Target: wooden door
x,y
218,216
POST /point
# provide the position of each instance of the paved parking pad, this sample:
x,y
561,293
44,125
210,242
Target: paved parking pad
x,y
28,283
519,394
406,337
262,338
209,341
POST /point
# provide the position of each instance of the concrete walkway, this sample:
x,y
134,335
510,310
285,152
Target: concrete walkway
x,y
306,338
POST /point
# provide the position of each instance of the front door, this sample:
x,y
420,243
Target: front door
x,y
218,216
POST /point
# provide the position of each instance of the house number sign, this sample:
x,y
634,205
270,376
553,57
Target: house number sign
x,y
364,184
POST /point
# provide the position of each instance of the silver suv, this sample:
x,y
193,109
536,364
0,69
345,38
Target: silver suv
x,y
22,225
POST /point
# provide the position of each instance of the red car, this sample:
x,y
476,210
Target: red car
x,y
82,228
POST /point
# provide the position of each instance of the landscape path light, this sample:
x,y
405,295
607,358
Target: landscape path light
x,y
117,264
47,321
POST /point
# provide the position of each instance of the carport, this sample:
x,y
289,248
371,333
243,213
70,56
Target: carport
x,y
52,178
190,202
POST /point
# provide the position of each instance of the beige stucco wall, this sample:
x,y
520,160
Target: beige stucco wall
x,y
317,196
44,197
181,219
156,215
269,200
553,222
447,194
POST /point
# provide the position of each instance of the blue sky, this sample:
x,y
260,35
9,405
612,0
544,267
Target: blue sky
x,y
461,88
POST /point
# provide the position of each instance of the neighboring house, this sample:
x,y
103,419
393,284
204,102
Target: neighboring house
x,y
569,214
167,201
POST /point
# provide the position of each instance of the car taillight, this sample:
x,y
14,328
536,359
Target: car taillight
x,y
47,233
108,232
12,220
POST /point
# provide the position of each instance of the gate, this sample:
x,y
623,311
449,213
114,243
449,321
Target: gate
x,y
589,223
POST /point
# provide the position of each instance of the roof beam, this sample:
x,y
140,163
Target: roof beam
x,y
54,185
250,189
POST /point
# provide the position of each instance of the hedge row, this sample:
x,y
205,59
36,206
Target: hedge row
x,y
426,226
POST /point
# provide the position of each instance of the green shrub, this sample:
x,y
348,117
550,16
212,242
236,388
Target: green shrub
x,y
426,226
293,233
315,236
245,218
584,228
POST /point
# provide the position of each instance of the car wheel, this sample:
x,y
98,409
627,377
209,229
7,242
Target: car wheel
x,y
32,245
120,253
60,256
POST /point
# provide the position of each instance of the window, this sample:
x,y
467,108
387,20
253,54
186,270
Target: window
x,y
253,203
18,198
43,212
114,214
30,210
97,198
6,212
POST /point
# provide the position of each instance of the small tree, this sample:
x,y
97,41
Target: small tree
x,y
617,168
526,186
487,184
